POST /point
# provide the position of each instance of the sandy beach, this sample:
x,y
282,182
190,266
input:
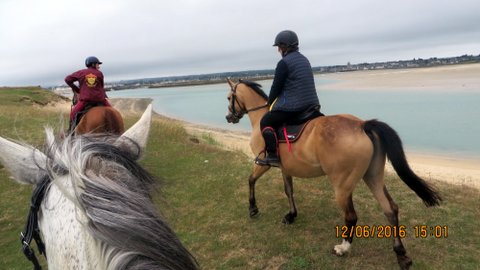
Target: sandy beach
x,y
459,171
453,77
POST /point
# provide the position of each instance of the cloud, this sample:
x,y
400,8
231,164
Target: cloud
x,y
42,41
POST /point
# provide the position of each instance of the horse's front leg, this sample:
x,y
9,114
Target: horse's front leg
x,y
258,171
288,185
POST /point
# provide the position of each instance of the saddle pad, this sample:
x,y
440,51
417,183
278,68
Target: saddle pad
x,y
293,132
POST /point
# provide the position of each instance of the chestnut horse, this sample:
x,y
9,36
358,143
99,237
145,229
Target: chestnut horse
x,y
343,147
101,119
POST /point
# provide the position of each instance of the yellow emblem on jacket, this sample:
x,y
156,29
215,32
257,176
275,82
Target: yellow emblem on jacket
x,y
91,80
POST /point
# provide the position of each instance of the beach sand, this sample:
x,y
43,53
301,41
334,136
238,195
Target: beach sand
x,y
453,77
459,171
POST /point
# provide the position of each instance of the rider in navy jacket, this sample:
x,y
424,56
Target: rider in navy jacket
x,y
293,91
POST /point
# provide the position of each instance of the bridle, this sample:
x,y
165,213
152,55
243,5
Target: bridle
x,y
31,230
238,115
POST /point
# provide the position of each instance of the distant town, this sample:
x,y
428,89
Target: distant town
x,y
269,73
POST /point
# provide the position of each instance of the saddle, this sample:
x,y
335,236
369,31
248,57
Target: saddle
x,y
293,129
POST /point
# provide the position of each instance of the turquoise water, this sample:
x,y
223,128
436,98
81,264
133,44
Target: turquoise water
x,y
440,122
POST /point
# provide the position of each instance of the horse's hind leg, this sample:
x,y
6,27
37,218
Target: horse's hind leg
x,y
288,185
390,209
258,171
344,200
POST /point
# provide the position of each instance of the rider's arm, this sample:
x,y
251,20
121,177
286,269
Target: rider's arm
x,y
281,73
70,79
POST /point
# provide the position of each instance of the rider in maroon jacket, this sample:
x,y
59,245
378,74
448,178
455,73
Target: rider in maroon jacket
x,y
90,89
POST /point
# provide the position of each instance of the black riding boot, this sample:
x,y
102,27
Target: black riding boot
x,y
271,144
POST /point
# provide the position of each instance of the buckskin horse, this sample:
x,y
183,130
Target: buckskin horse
x,y
100,119
91,207
343,147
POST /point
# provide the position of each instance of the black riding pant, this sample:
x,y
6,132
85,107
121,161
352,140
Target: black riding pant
x,y
275,119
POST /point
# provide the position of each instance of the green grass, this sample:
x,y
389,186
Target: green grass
x,y
204,195
25,95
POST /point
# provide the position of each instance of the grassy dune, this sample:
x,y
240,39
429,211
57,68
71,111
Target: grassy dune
x,y
204,195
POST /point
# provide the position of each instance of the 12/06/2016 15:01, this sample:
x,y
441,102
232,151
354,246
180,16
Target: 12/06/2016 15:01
x,y
387,231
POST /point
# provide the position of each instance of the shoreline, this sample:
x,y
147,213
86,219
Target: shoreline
x,y
461,171
452,169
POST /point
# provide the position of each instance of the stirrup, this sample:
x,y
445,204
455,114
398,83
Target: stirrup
x,y
268,161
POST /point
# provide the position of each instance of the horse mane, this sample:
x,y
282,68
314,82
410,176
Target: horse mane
x,y
113,192
256,87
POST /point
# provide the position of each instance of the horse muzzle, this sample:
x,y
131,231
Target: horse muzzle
x,y
231,118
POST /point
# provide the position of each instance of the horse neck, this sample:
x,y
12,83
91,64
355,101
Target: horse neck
x,y
256,116
84,230
63,225
253,100
257,143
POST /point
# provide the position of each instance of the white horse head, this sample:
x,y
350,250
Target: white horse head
x,y
97,212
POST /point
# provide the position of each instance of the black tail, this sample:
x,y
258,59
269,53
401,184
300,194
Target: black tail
x,y
393,147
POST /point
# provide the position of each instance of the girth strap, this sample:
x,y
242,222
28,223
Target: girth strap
x,y
31,230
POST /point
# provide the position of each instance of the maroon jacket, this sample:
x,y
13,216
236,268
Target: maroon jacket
x,y
91,84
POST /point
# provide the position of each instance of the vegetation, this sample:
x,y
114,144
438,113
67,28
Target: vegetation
x,y
204,195
11,96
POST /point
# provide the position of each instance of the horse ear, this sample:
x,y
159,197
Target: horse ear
x,y
22,162
138,133
230,82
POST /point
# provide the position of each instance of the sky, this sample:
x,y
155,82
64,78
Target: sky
x,y
43,41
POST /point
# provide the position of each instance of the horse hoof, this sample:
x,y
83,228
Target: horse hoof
x,y
404,262
341,249
253,212
334,252
289,218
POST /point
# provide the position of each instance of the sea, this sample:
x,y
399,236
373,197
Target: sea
x,y
441,122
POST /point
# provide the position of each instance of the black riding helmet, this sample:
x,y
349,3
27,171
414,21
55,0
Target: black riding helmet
x,y
91,61
286,38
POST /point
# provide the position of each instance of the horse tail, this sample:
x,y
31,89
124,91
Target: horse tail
x,y
392,145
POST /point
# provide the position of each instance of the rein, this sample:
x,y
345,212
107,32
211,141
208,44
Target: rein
x,y
243,110
31,230
256,108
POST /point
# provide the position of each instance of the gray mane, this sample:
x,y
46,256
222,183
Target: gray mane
x,y
113,191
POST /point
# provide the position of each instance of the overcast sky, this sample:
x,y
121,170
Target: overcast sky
x,y
43,41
